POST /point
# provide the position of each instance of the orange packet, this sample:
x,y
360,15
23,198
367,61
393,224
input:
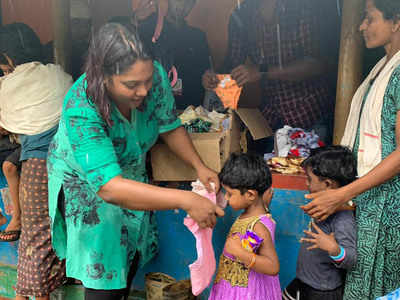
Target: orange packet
x,y
228,91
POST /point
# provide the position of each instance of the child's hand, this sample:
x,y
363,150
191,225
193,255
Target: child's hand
x,y
321,240
233,245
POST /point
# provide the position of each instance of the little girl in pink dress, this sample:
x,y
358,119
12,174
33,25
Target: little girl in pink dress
x,y
248,267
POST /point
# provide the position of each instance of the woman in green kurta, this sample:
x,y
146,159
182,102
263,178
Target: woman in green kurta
x,y
377,192
99,201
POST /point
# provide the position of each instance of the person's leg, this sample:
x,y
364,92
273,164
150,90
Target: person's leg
x,y
12,175
92,294
292,291
131,275
3,219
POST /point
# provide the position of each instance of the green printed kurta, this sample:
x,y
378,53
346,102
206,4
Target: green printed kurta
x,y
377,271
99,240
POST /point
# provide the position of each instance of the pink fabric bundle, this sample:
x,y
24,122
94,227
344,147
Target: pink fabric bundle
x,y
162,12
202,270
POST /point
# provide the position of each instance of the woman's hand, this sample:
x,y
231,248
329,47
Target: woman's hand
x,y
321,240
245,73
206,176
202,210
210,80
325,203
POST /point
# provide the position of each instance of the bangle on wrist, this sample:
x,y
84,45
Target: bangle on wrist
x,y
252,262
340,256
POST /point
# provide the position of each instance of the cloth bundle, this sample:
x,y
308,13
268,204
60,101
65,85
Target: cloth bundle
x,y
201,120
296,142
31,98
202,270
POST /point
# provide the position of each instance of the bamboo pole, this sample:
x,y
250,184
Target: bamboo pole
x,y
62,33
350,63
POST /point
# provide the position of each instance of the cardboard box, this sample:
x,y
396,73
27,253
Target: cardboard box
x,y
213,148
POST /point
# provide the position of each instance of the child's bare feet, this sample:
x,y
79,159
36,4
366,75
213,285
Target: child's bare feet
x,y
3,220
15,224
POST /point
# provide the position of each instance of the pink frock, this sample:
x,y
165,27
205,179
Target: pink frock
x,y
235,282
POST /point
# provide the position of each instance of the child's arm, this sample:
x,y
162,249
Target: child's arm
x,y
346,235
266,261
341,244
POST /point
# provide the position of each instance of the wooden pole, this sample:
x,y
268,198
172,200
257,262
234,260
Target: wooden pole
x,y
350,63
62,33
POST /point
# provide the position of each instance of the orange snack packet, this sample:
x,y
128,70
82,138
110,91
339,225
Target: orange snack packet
x,y
228,91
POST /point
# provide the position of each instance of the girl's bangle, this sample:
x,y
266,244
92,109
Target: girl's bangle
x,y
252,262
341,255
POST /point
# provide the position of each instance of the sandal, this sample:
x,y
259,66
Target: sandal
x,y
10,236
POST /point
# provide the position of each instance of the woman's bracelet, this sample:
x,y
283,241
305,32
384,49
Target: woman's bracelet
x,y
252,262
341,255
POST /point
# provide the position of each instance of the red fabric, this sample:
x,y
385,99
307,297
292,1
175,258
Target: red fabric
x,y
295,152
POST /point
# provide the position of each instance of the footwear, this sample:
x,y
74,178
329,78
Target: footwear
x,y
10,236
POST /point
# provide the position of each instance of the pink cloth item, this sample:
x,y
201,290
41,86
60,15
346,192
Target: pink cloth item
x,y
162,12
174,73
202,270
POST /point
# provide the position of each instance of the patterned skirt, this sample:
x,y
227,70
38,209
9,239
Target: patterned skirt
x,y
377,271
39,271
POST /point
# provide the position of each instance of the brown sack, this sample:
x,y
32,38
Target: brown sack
x,y
155,282
181,290
160,286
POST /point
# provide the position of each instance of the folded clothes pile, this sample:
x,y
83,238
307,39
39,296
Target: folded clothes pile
x,y
201,120
296,142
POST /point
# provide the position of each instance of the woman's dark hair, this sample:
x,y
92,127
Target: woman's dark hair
x,y
20,43
112,51
332,162
389,8
246,172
